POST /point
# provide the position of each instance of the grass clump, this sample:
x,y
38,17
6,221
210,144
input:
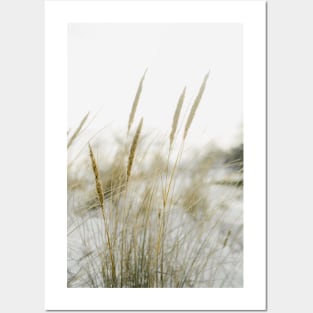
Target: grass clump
x,y
165,222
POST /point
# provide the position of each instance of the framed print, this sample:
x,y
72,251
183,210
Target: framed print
x,y
155,149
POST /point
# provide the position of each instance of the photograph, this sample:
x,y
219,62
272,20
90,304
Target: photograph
x,y
155,155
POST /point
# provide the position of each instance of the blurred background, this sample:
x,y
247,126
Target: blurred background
x,y
106,62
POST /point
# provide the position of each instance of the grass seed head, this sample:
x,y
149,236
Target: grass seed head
x,y
135,103
95,169
133,149
176,115
195,105
77,131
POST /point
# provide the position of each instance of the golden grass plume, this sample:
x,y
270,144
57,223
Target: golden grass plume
x,y
195,105
77,131
95,169
176,115
133,149
135,103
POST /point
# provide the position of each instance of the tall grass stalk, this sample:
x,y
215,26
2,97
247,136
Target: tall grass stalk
x,y
100,194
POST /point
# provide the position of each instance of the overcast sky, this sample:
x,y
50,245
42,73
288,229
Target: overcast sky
x,y
106,62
